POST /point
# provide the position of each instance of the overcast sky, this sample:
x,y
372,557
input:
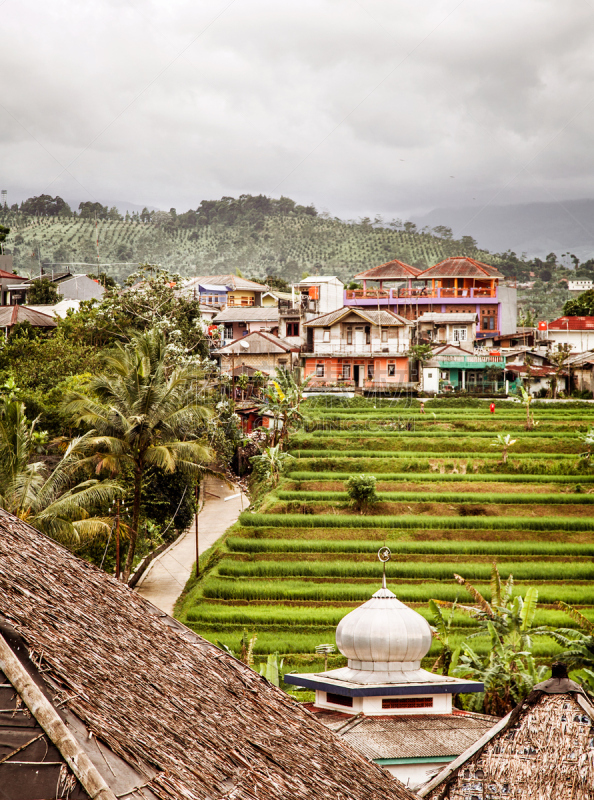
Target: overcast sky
x,y
361,107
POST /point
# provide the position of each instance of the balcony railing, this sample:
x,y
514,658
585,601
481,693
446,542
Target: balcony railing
x,y
354,350
472,359
418,294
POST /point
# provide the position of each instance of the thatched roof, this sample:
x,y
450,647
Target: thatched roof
x,y
191,721
542,750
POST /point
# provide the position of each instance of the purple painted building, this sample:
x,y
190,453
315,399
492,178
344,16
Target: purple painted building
x,y
456,285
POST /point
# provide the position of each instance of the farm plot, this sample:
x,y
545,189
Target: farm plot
x,y
449,501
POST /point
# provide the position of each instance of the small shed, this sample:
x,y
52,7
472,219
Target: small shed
x,y
542,750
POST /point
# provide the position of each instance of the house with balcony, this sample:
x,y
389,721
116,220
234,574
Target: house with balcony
x,y
358,347
434,327
224,290
239,322
455,368
310,298
456,285
259,350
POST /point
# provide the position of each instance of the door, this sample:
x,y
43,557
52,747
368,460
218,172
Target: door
x,y
356,374
359,339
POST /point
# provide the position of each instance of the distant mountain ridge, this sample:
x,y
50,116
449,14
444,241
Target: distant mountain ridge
x,y
534,228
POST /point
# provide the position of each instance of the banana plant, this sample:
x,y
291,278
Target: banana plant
x,y
505,442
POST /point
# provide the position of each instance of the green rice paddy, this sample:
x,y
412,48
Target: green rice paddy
x,y
289,570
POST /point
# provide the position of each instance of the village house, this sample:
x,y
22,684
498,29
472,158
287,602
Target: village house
x,y
580,370
104,696
224,290
456,285
259,350
7,281
13,315
454,368
382,703
358,347
310,298
69,285
433,327
238,322
577,332
542,750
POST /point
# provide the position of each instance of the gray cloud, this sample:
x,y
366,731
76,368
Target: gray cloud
x,y
359,106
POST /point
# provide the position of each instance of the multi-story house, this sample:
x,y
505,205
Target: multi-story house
x,y
311,298
458,285
238,322
359,347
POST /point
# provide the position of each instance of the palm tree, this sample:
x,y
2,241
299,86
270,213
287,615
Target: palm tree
x,y
141,416
53,502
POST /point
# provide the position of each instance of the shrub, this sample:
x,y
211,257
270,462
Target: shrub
x,y
361,491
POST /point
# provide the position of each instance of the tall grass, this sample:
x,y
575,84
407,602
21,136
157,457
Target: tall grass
x,y
451,452
422,477
407,522
402,570
500,549
221,589
448,497
330,616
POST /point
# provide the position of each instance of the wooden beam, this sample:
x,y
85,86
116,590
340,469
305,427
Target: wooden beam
x,y
49,719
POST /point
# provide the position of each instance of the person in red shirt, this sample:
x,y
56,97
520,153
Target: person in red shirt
x,y
492,408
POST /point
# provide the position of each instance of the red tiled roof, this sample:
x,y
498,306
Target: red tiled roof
x,y
536,372
572,324
5,274
390,271
461,267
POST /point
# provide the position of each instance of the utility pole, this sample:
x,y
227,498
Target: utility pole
x,y
118,541
197,490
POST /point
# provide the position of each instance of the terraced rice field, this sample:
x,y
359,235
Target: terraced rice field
x,y
291,568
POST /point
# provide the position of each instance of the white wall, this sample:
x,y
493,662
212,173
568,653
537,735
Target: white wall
x,y
508,298
372,706
331,296
430,379
580,341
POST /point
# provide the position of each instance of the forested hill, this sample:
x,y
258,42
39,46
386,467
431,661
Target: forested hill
x,y
258,236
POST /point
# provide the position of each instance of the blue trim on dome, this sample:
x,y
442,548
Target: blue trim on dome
x,y
463,687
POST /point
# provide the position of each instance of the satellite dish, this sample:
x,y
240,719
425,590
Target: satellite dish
x,y
245,345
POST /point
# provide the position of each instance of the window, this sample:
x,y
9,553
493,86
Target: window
x,y
384,335
429,374
319,370
326,335
367,334
228,331
339,699
346,371
292,329
391,370
349,335
370,372
407,702
460,334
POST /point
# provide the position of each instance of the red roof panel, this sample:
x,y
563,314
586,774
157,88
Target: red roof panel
x,y
461,267
572,324
390,271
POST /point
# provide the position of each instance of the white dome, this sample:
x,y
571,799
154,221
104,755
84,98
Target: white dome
x,y
384,634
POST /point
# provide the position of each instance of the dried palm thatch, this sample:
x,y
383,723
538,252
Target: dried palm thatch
x,y
195,722
543,749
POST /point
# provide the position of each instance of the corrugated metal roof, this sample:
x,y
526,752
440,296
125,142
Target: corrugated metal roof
x,y
259,343
461,267
249,314
390,271
572,324
451,317
224,280
418,736
10,315
385,318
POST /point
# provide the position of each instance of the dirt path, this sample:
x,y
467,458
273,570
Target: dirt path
x,y
167,575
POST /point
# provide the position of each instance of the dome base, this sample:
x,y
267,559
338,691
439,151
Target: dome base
x,y
380,677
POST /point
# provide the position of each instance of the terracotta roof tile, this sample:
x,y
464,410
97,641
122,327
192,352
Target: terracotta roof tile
x,y
391,270
461,267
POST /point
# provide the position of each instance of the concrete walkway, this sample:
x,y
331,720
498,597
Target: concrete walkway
x,y
164,580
